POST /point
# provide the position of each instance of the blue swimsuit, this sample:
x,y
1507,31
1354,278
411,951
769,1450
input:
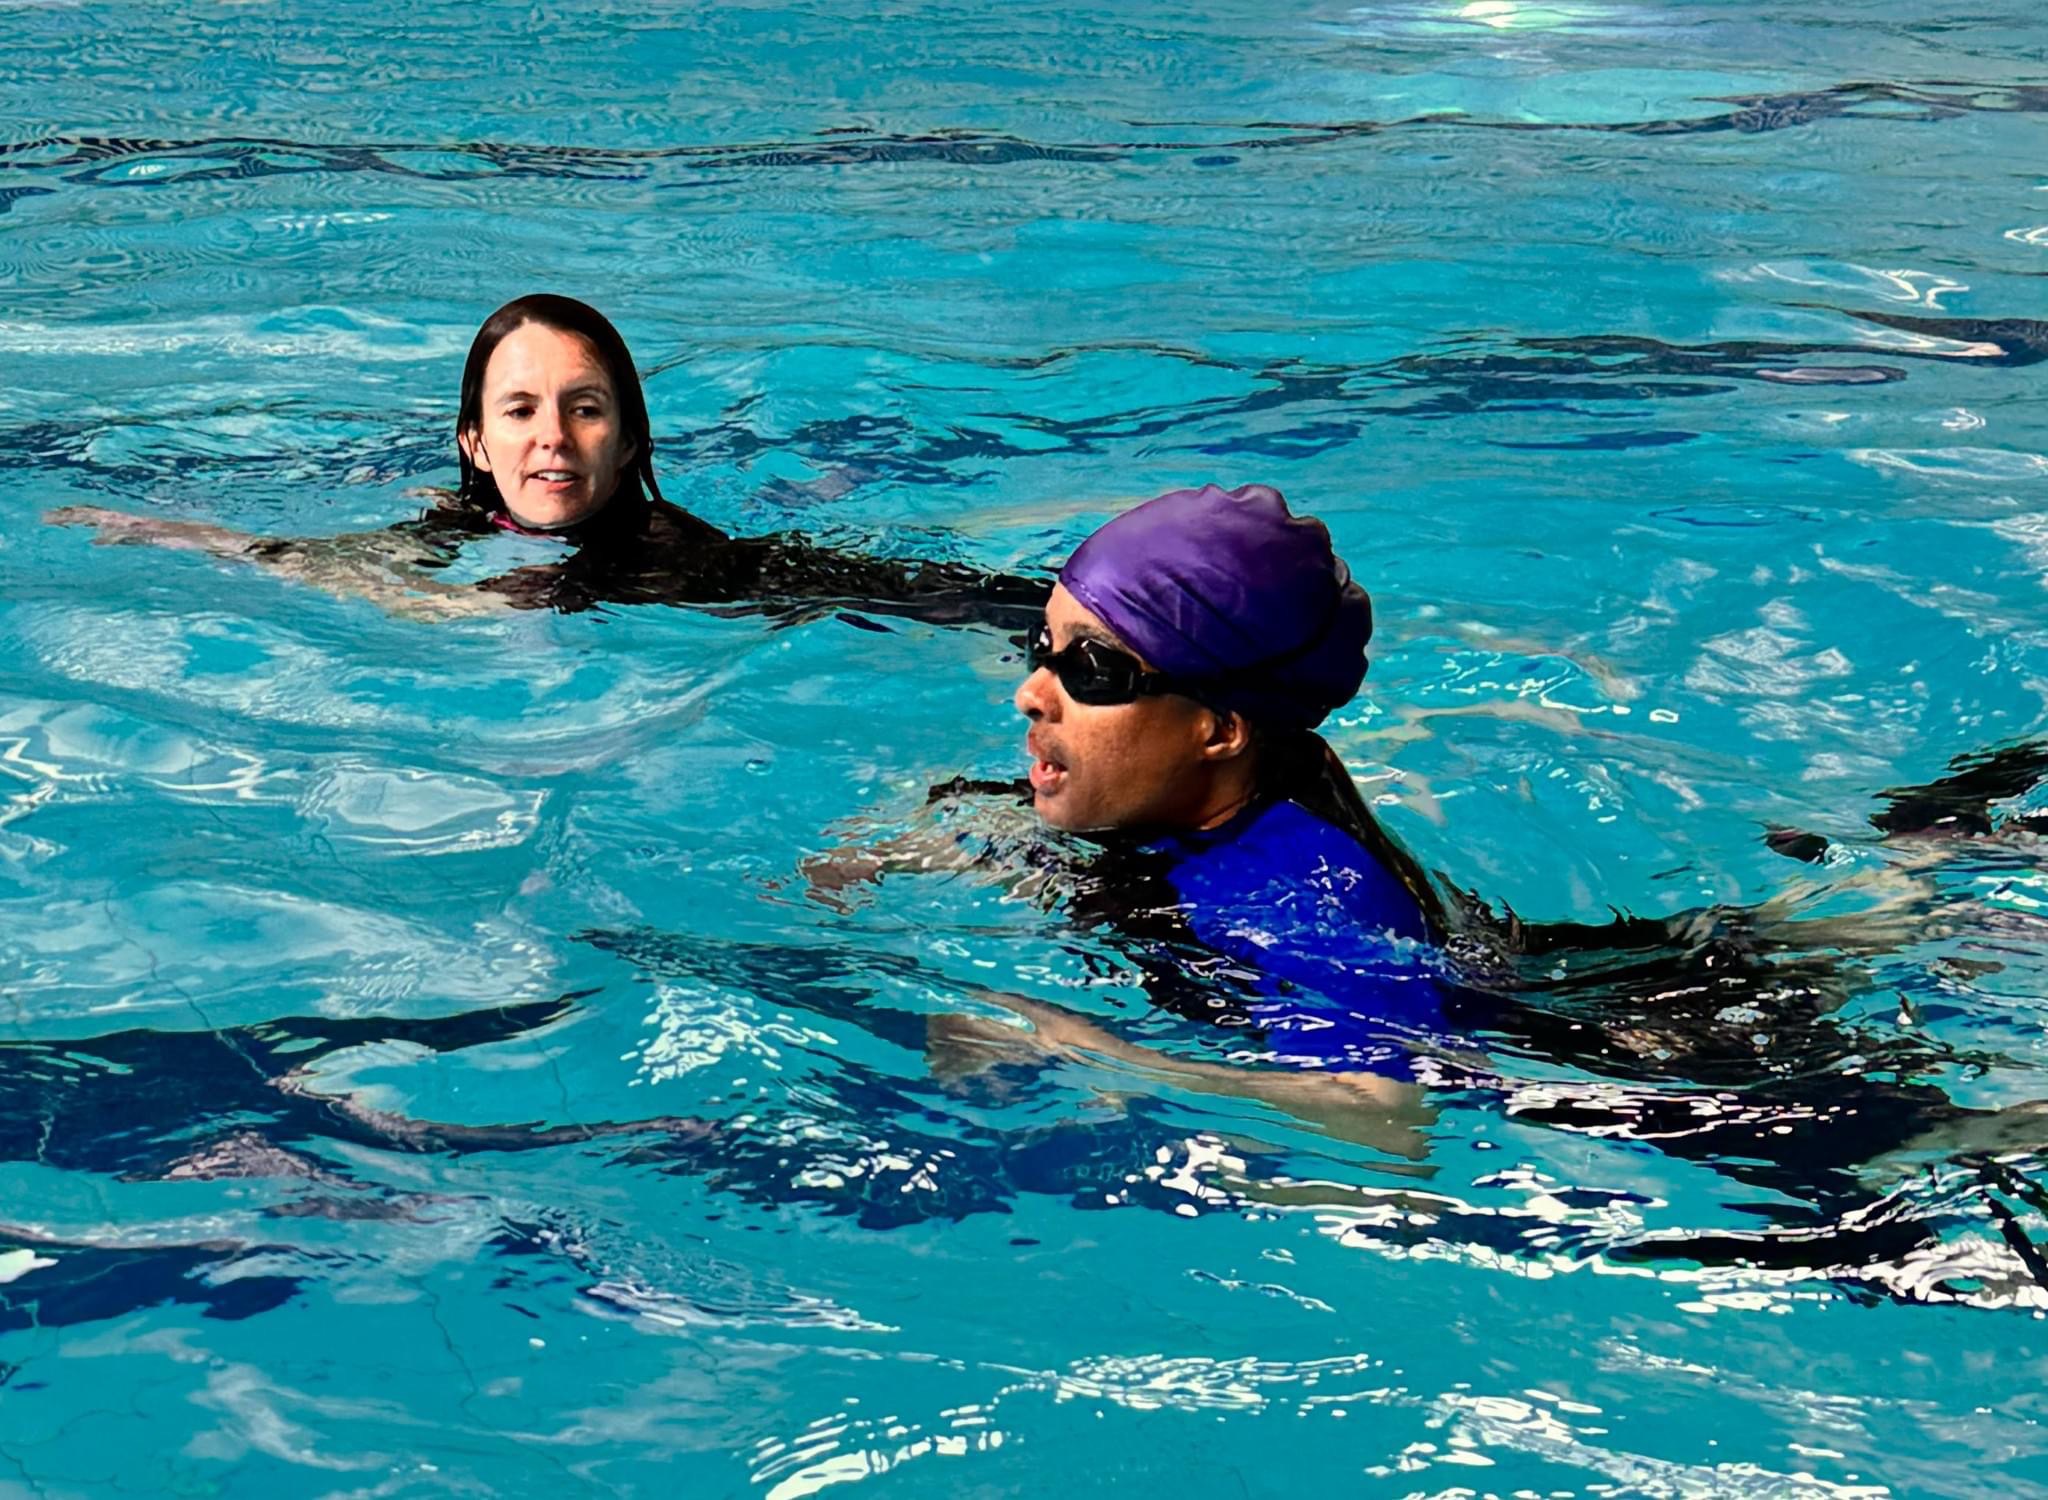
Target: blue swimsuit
x,y
1333,946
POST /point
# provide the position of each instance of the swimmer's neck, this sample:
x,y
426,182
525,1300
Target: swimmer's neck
x,y
1213,806
1226,806
559,528
1233,786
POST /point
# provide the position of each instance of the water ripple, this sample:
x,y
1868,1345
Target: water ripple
x,y
129,161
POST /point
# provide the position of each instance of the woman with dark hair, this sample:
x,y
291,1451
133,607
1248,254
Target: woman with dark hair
x,y
1188,655
553,441
549,340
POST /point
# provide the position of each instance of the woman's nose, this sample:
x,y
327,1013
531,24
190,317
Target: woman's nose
x,y
1036,694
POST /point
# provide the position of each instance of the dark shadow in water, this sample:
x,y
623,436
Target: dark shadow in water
x,y
155,1105
98,161
1960,804
195,1106
1995,342
140,1103
1713,1037
2008,342
88,1283
160,1104
1749,114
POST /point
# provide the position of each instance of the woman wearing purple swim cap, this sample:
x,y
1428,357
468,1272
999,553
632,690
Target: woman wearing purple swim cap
x,y
1188,641
1186,657
1178,674
1183,663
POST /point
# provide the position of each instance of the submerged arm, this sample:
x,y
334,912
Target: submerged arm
x,y
390,567
1363,1108
800,577
967,827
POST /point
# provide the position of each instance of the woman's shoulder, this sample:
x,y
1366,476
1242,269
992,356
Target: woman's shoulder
x,y
1281,841
1284,848
666,524
445,508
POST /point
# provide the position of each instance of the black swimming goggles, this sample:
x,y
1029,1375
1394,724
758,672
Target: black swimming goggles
x,y
1101,676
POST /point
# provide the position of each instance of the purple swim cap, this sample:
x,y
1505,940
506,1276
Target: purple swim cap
x,y
1227,587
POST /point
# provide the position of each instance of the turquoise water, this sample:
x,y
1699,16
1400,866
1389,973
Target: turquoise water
x,y
1562,315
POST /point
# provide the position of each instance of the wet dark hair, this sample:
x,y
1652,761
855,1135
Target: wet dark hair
x,y
1299,764
564,315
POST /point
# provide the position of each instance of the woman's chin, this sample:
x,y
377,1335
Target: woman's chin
x,y
1060,812
550,512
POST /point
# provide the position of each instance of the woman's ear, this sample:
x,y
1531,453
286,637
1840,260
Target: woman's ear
x,y
471,442
1230,735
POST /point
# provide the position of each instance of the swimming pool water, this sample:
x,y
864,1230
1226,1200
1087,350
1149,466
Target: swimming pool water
x,y
1663,369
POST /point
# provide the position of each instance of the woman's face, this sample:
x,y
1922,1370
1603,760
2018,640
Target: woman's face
x,y
1141,764
550,435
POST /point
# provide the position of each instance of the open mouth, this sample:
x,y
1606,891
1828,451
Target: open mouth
x,y
1048,773
555,476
